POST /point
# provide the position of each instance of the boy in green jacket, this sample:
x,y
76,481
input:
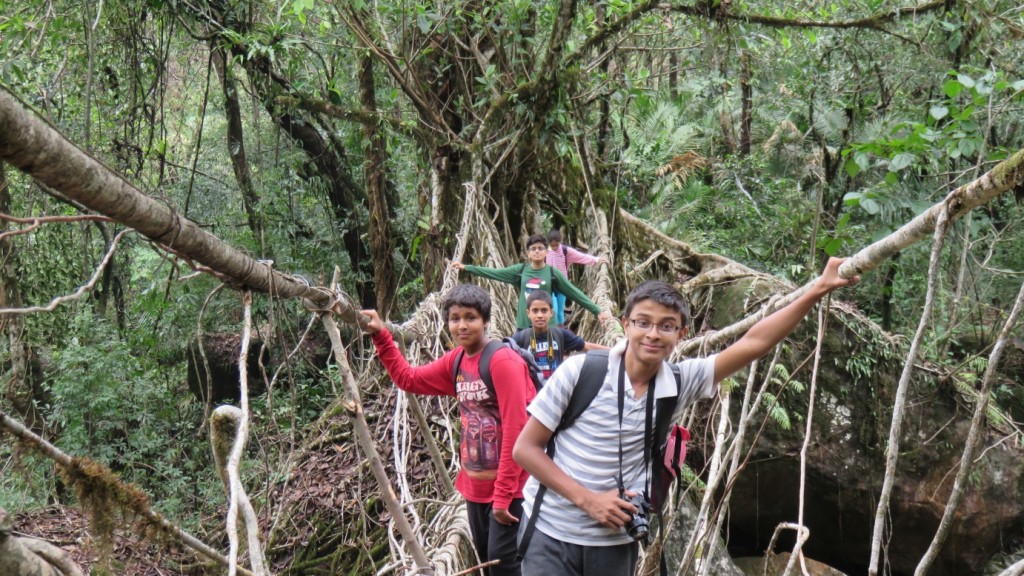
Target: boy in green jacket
x,y
535,274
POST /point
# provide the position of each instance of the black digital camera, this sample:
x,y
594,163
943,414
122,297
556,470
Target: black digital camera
x,y
638,527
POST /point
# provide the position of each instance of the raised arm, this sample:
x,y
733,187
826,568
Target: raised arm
x,y
588,346
561,284
432,379
764,335
510,274
574,256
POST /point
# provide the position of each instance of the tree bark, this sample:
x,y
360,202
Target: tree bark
x,y
236,146
23,385
746,95
385,279
16,559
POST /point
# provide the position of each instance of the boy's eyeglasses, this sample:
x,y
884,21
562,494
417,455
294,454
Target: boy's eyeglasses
x,y
537,248
646,325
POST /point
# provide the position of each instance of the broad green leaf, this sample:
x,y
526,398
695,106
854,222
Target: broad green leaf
x,y
901,161
299,7
862,160
833,247
870,206
966,146
939,112
852,169
952,88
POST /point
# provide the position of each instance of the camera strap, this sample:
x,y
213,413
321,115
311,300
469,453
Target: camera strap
x,y
648,429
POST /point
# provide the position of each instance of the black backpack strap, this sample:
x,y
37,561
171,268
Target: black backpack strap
x,y
455,370
522,273
523,337
588,384
663,420
485,365
662,423
558,340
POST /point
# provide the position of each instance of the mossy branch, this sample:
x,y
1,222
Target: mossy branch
x,y
86,475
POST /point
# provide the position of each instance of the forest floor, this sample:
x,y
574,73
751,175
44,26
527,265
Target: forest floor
x,y
333,478
68,529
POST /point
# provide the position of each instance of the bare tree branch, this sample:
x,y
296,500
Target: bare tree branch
x,y
1000,179
77,293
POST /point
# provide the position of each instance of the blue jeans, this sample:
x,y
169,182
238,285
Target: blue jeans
x,y
558,300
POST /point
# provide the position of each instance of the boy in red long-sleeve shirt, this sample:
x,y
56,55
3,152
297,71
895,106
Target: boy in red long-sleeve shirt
x,y
489,479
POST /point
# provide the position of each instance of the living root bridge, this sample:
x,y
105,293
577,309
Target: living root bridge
x,y
1004,176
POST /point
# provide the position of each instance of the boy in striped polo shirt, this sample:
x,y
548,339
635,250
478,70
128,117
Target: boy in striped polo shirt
x,y
600,458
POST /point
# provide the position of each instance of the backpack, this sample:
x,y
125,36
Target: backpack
x,y
668,449
536,374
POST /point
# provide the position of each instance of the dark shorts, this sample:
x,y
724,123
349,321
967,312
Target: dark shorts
x,y
547,556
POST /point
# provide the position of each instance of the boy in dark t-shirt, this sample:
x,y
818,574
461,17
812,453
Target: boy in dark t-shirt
x,y
548,344
489,480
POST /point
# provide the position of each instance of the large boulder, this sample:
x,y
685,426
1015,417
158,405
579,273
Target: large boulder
x,y
845,467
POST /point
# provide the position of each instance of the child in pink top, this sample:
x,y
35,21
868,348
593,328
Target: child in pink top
x,y
559,258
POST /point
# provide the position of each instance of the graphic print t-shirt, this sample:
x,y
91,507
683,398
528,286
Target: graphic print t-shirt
x,y
480,446
546,351
534,282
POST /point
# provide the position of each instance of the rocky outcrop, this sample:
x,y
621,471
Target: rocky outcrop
x,y
846,465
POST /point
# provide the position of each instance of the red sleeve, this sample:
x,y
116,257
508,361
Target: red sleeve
x,y
433,379
515,390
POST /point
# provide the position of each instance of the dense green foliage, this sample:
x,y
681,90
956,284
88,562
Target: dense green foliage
x,y
775,134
